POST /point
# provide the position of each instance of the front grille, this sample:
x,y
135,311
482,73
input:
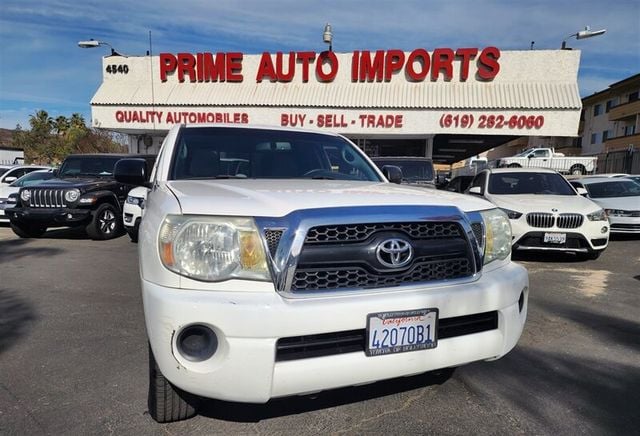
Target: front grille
x,y
540,219
47,198
336,257
615,226
477,231
272,237
361,232
569,220
352,341
360,278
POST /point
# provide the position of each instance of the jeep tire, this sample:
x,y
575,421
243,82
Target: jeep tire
x,y
106,223
27,230
166,402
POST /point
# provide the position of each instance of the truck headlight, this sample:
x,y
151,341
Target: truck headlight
x,y
25,195
72,195
497,235
213,249
598,215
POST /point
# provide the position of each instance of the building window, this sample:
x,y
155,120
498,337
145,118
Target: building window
x,y
610,104
633,96
594,138
597,110
630,130
605,136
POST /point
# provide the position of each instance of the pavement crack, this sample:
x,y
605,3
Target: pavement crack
x,y
16,400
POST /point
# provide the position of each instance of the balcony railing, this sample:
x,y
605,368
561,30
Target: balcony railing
x,y
622,142
626,110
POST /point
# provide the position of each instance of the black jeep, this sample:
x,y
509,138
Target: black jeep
x,y
84,193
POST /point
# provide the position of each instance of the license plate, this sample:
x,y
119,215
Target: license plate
x,y
555,238
399,332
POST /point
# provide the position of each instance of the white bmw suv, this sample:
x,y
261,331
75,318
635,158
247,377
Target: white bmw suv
x,y
545,211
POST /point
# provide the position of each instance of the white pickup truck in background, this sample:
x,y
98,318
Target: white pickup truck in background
x,y
547,158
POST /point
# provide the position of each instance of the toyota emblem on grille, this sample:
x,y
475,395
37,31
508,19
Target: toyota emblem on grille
x,y
394,253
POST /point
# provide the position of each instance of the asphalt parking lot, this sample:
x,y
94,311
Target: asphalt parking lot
x,y
73,356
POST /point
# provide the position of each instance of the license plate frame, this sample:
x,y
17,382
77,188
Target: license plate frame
x,y
555,238
428,318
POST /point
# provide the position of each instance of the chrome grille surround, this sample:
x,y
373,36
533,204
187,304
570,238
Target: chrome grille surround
x,y
284,257
569,220
541,220
47,198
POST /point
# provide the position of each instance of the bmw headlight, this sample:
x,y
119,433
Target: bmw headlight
x,y
512,214
72,195
598,215
25,195
497,235
138,201
213,249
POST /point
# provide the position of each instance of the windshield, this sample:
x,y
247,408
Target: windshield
x,y
609,189
411,170
523,153
4,170
88,166
222,152
529,183
32,178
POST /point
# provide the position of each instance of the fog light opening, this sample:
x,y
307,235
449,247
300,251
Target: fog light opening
x,y
197,343
604,229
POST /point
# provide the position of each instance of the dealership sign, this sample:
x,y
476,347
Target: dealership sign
x,y
365,66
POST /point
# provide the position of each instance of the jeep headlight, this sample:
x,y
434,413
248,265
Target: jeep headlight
x,y
72,195
25,195
213,249
497,235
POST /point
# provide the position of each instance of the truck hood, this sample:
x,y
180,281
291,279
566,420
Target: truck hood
x,y
545,203
276,198
68,183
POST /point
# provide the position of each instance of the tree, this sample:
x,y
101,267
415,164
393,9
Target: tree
x,y
61,125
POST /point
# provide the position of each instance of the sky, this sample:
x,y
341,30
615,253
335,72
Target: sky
x,y
42,67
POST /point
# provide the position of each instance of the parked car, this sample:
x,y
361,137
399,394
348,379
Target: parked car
x,y
545,211
458,184
11,173
310,271
84,193
30,179
416,171
619,197
133,208
634,177
548,158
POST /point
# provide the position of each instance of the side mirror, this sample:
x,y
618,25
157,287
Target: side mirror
x,y
131,172
475,190
530,155
10,179
582,191
392,173
55,172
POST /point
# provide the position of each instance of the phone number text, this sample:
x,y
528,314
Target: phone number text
x,y
467,121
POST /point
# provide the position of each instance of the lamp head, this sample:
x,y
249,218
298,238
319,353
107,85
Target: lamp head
x,y
588,33
89,44
327,36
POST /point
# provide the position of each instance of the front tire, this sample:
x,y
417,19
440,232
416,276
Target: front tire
x,y
578,170
514,165
592,255
28,231
166,402
105,224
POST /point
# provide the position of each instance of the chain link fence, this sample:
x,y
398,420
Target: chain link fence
x,y
624,161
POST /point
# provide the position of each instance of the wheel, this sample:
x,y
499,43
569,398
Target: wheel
x,y
166,402
106,223
577,170
28,231
514,165
133,235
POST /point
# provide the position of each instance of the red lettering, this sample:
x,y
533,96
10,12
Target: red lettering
x,y
186,64
234,67
393,62
371,70
305,57
168,64
330,58
442,59
466,54
213,70
398,121
202,117
418,56
488,66
265,69
119,116
282,76
355,60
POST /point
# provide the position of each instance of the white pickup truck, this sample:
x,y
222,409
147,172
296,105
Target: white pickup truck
x,y
305,269
547,158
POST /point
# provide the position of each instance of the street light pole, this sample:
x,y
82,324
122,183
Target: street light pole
x,y
582,34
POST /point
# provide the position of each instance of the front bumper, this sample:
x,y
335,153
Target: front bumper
x,y
50,217
624,224
249,324
587,238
